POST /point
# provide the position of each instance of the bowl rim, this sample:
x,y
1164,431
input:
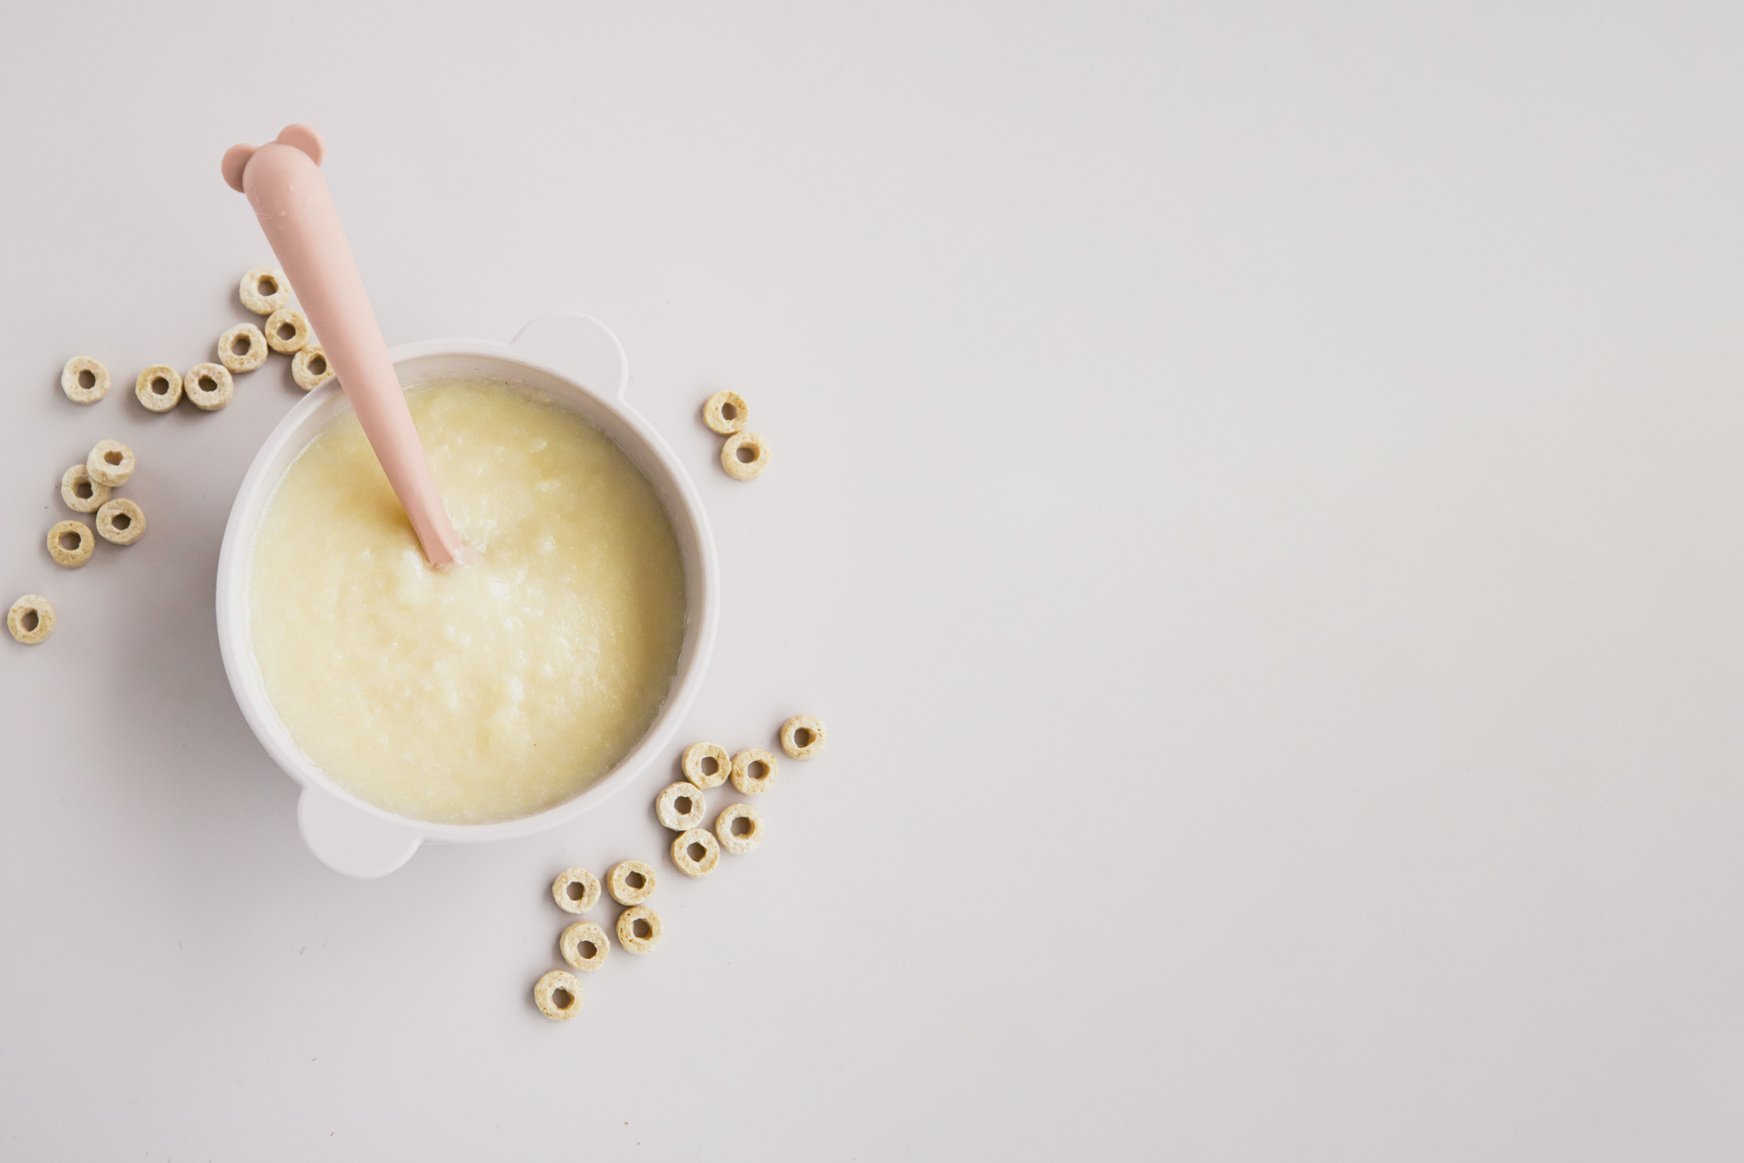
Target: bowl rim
x,y
256,490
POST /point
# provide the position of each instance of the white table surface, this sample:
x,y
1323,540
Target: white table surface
x,y
1255,498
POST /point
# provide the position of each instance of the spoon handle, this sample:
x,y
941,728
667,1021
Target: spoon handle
x,y
282,180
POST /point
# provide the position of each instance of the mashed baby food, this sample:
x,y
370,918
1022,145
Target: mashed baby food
x,y
495,689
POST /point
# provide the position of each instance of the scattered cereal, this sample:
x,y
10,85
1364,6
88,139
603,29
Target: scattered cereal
x,y
558,995
802,736
638,929
85,380
70,543
726,413
630,882
265,291
309,367
705,764
583,946
679,806
242,348
287,330
744,455
110,464
159,387
696,852
208,386
80,492
575,890
738,828
31,619
120,521
753,771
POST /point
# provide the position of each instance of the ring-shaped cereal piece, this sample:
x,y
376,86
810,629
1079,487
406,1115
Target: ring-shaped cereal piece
x,y
558,995
70,543
739,827
753,771
31,619
696,852
264,291
309,367
638,929
158,388
287,330
726,413
630,882
705,764
110,463
242,348
120,521
802,736
85,380
744,455
208,386
80,492
583,945
575,890
679,806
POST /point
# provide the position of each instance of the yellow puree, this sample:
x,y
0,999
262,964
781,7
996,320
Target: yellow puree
x,y
495,689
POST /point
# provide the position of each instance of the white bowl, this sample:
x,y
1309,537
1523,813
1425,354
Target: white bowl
x,y
580,363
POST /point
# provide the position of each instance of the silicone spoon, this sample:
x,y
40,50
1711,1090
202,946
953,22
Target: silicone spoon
x,y
282,180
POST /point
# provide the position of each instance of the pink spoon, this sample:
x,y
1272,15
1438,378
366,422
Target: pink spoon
x,y
282,180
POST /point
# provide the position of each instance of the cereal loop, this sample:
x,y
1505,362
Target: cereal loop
x,y
583,946
802,736
753,771
287,330
638,929
558,995
208,386
120,522
110,464
575,890
70,544
309,367
264,291
80,492
726,413
85,380
696,852
744,456
31,619
158,388
679,806
739,827
705,764
630,882
242,348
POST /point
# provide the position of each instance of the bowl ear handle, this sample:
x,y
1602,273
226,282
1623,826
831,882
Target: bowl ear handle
x,y
582,347
350,841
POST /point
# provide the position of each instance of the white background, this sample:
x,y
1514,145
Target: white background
x,y
1255,496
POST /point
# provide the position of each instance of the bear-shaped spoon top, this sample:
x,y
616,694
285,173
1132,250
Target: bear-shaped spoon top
x,y
282,181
